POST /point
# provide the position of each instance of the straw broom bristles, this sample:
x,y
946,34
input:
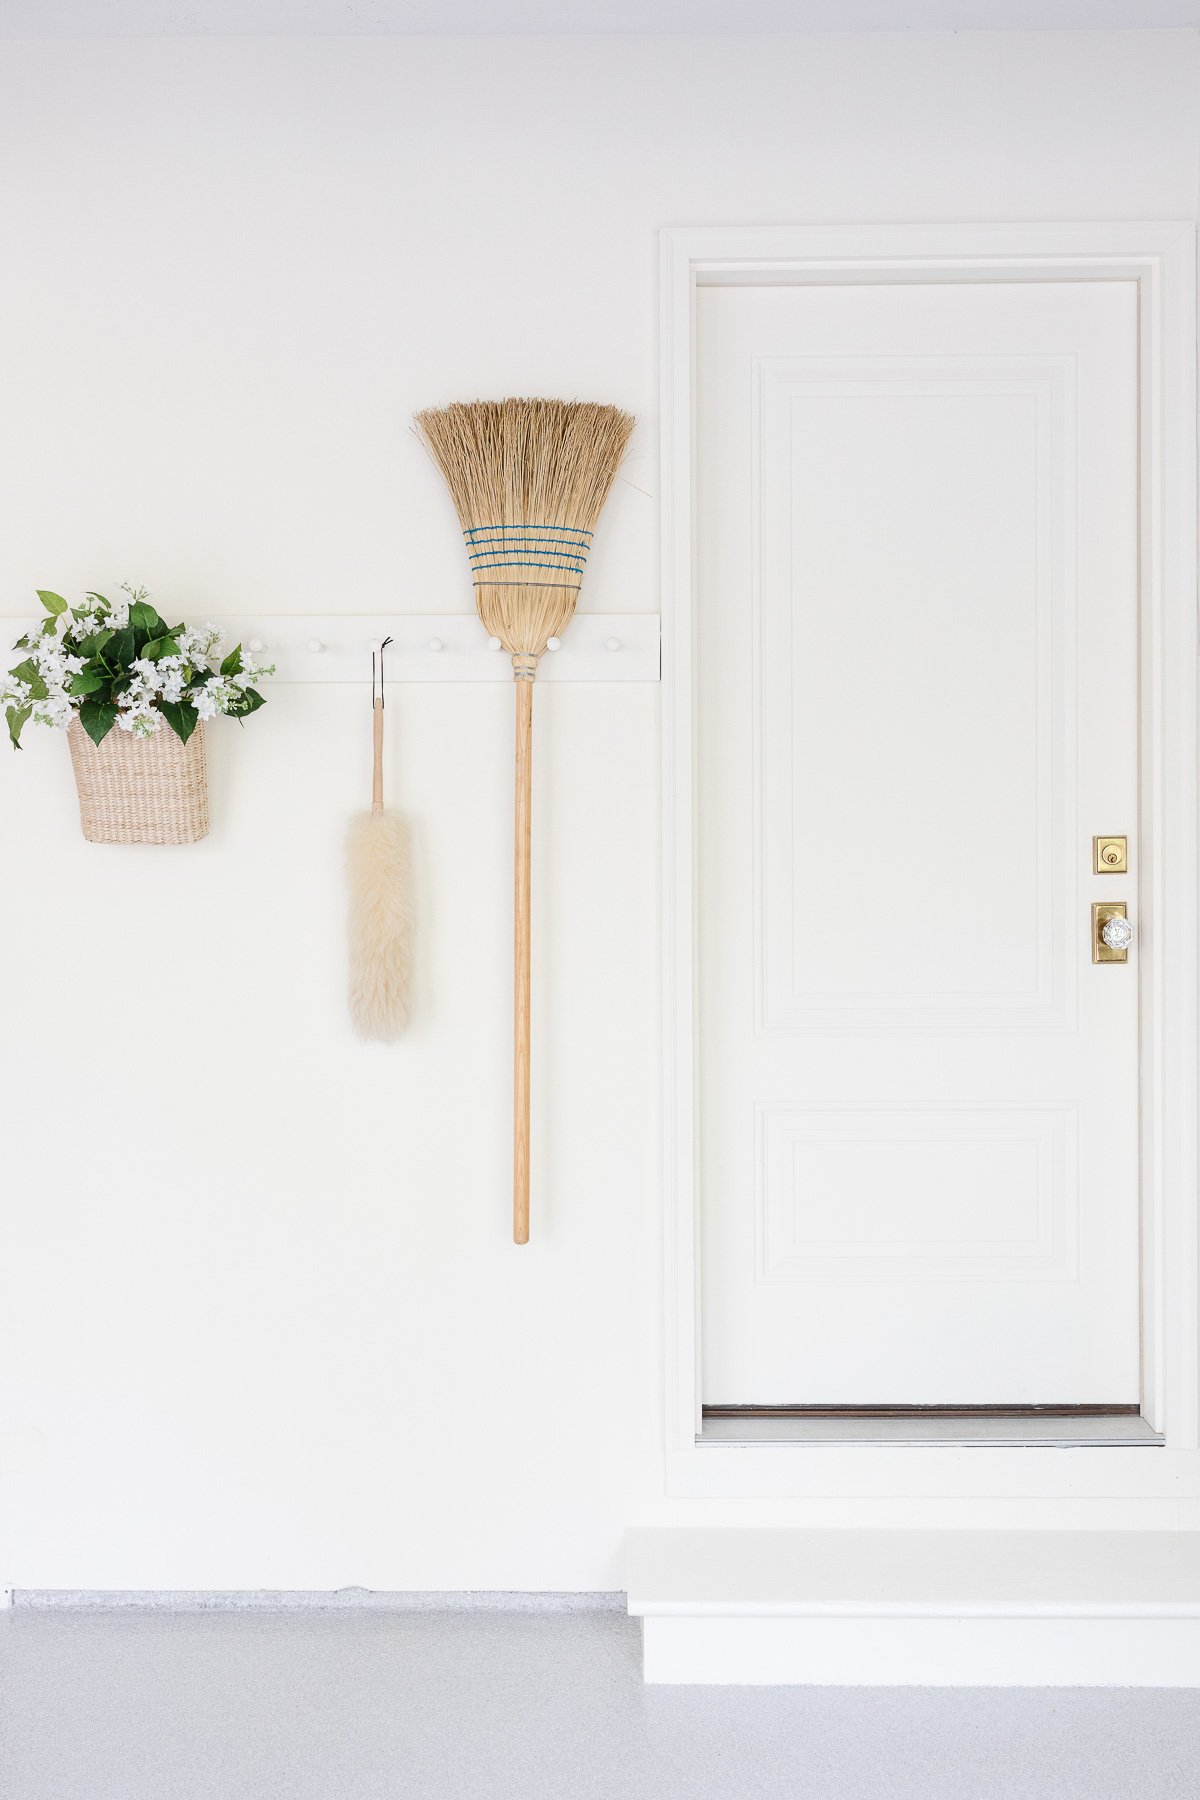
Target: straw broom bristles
x,y
528,479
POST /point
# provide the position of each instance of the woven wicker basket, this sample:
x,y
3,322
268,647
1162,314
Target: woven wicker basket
x,y
141,790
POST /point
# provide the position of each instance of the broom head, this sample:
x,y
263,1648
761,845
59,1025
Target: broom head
x,y
528,479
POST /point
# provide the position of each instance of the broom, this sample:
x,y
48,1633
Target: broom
x,y
528,479
377,861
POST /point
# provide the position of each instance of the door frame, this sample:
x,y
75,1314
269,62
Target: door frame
x,y
1161,258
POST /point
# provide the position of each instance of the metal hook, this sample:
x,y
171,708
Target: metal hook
x,y
382,647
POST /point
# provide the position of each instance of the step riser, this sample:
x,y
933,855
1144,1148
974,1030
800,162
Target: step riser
x,y
923,1652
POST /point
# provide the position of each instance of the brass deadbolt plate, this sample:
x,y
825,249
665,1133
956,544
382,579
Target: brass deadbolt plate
x,y
1110,856
1102,911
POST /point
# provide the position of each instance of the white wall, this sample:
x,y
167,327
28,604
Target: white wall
x,y
261,1321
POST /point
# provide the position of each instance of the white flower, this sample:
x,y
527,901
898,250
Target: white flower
x,y
215,696
139,721
53,663
136,703
199,643
13,691
171,678
89,616
55,710
55,666
251,673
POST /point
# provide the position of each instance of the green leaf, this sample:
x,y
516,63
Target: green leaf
x,y
16,720
97,719
28,671
160,647
122,650
144,618
93,645
53,603
233,662
86,681
181,717
249,703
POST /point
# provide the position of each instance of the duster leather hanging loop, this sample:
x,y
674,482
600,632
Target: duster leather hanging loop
x,y
528,479
378,864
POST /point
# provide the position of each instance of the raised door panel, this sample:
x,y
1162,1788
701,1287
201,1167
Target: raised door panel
x,y
911,515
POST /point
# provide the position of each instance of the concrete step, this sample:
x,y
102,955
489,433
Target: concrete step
x,y
918,1608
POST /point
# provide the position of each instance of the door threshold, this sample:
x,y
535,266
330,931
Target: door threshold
x,y
1004,1425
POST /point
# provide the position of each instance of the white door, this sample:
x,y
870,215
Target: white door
x,y
917,620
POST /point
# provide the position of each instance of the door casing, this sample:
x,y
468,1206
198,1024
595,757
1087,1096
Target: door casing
x,y
1105,1485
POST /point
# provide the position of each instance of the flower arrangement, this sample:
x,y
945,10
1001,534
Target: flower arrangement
x,y
118,663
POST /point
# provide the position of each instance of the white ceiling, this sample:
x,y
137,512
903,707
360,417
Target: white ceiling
x,y
302,18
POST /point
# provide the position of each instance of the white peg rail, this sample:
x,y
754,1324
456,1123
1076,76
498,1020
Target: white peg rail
x,y
440,647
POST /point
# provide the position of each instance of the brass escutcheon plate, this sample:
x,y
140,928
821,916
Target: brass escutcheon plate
x,y
1110,855
1102,911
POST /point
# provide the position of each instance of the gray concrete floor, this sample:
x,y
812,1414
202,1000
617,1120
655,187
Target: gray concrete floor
x,y
132,1705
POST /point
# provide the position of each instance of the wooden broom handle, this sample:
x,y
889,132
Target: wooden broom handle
x,y
377,770
521,910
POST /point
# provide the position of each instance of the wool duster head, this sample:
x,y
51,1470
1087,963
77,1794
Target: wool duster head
x,y
529,479
380,924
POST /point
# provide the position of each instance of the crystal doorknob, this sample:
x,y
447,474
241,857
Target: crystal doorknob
x,y
1112,933
1117,933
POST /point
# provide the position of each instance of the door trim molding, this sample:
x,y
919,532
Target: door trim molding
x,y
1161,258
